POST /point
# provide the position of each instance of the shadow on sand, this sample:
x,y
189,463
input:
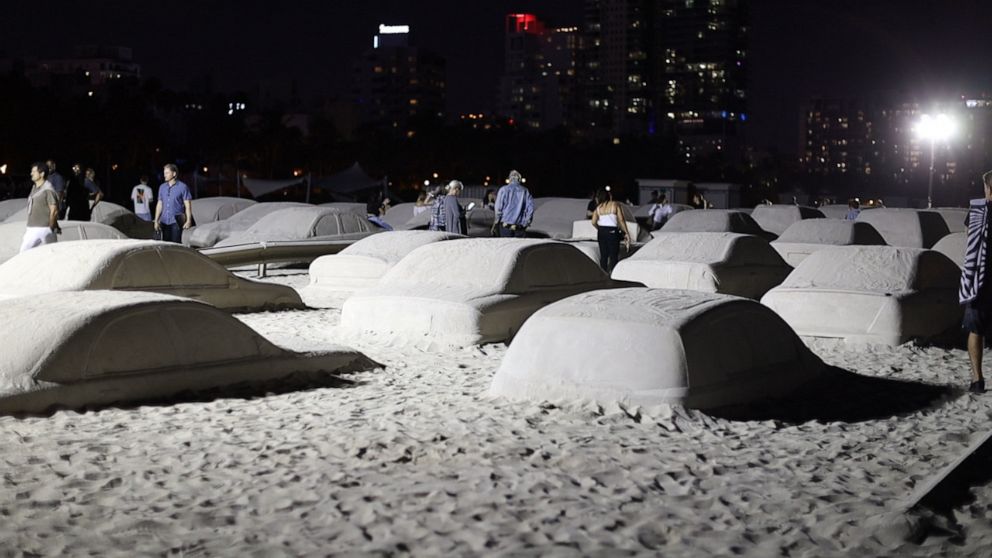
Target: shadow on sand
x,y
295,382
839,395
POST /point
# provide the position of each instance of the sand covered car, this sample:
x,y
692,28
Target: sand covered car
x,y
305,223
873,294
98,347
211,233
122,219
137,265
954,217
217,208
728,263
363,263
804,237
655,346
556,217
776,218
471,291
11,235
715,220
910,228
12,206
953,246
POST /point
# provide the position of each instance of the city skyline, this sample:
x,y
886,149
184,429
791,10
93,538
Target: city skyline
x,y
797,50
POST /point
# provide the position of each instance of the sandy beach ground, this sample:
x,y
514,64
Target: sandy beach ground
x,y
413,457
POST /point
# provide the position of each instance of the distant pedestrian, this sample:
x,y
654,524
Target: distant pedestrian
x,y
173,210
454,213
514,208
437,222
58,182
43,210
660,212
142,196
93,186
611,229
853,209
975,293
77,195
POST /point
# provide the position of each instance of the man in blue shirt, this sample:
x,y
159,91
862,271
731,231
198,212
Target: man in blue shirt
x,y
173,211
514,208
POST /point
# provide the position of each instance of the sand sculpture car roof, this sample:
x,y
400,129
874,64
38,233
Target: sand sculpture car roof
x,y
644,211
874,294
954,217
218,208
554,217
97,347
303,223
802,238
655,346
838,210
715,220
729,263
11,235
122,219
953,246
471,291
212,233
12,206
363,263
910,228
137,265
776,218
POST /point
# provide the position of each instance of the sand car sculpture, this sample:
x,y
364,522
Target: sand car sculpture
x,y
776,218
205,235
655,346
804,237
362,264
11,235
13,206
728,263
715,220
556,217
305,223
910,228
953,246
137,265
471,291
92,348
870,294
954,217
218,208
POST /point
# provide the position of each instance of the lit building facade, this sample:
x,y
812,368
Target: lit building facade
x,y
868,147
397,86
537,88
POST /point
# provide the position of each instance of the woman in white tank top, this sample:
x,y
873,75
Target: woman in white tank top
x,y
611,229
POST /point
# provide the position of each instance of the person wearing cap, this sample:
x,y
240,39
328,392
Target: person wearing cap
x,y
514,208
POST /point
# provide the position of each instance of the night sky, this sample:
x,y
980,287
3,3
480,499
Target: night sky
x,y
799,48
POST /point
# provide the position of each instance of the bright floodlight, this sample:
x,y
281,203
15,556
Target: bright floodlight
x,y
935,128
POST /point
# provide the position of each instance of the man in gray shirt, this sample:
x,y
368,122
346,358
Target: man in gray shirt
x,y
43,210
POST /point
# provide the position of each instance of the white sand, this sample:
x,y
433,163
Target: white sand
x,y
415,457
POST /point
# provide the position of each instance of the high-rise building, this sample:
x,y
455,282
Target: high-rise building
x,y
538,82
616,67
665,66
398,86
700,74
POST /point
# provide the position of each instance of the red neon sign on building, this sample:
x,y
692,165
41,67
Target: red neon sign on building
x,y
523,23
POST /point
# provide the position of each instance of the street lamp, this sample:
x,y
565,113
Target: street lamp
x,y
934,128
